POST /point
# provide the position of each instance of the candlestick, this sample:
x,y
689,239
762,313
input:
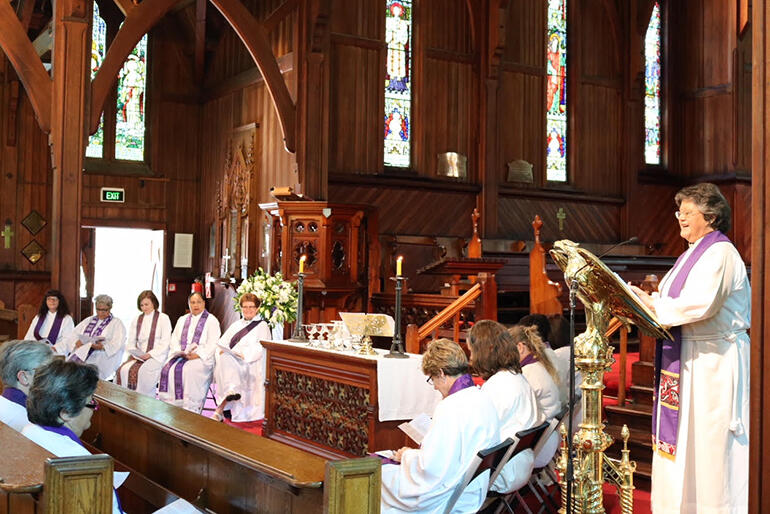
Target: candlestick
x,y
397,346
298,336
399,261
302,263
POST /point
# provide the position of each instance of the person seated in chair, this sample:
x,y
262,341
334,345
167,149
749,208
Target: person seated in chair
x,y
495,358
464,423
186,376
52,321
560,360
18,362
240,365
106,335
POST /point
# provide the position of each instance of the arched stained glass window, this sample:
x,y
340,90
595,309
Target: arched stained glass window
x,y
652,106
129,125
556,92
398,83
95,146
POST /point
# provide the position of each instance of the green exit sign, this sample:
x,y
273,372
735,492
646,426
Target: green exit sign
x,y
113,194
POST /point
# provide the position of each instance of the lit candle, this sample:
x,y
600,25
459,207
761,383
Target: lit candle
x,y
302,263
398,265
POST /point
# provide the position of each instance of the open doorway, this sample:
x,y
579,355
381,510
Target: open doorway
x,y
126,261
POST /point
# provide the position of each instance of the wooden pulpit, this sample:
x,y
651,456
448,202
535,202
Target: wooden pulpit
x,y
339,242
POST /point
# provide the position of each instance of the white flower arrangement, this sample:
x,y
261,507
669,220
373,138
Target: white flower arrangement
x,y
278,297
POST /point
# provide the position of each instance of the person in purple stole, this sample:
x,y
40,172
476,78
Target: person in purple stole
x,y
52,321
186,376
149,337
18,362
104,338
240,365
701,409
60,406
495,358
464,423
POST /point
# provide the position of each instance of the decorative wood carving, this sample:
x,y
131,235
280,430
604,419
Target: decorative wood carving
x,y
233,189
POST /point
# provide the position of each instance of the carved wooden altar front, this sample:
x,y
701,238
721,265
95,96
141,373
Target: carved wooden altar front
x,y
338,240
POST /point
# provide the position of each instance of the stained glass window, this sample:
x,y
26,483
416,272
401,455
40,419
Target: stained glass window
x,y
398,83
95,146
652,46
132,83
556,92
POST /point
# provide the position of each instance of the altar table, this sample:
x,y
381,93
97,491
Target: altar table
x,y
340,404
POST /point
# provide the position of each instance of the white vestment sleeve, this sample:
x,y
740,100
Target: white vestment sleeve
x,y
30,335
162,338
115,337
131,342
254,352
209,340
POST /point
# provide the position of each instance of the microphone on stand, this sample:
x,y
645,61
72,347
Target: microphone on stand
x,y
572,304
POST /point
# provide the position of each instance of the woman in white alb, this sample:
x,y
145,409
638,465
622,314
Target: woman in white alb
x,y
149,337
701,416
52,321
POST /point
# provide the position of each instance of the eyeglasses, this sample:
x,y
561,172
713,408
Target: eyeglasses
x,y
248,306
685,215
94,405
430,380
102,310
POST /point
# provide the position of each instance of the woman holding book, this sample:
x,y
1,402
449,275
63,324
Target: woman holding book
x,y
52,321
186,376
149,337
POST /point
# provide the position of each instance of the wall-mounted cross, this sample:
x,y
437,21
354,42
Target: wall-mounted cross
x,y
561,215
7,234
226,260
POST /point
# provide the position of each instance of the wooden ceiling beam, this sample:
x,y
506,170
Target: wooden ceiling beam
x,y
125,6
139,20
254,36
278,14
29,67
24,10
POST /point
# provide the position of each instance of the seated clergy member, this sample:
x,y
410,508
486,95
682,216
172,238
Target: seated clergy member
x,y
559,360
464,423
18,362
240,364
542,376
495,358
53,320
106,336
149,337
60,406
186,376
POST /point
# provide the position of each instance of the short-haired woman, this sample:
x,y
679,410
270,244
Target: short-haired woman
x,y
106,336
464,423
149,338
186,376
495,358
52,321
240,365
701,423
18,362
60,405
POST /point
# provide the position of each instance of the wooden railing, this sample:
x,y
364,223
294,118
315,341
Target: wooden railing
x,y
415,335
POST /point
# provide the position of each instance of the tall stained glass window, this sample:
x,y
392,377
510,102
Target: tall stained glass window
x,y
652,46
556,92
398,83
129,126
95,146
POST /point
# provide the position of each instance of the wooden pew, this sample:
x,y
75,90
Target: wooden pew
x,y
215,466
32,480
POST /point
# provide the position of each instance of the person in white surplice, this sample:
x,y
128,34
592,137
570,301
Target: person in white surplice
x,y
52,321
186,376
18,362
464,423
149,337
240,365
106,336
701,413
495,358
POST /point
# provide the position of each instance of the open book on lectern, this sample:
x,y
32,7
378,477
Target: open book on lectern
x,y
599,284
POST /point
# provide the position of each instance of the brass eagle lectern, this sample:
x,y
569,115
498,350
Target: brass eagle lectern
x,y
604,295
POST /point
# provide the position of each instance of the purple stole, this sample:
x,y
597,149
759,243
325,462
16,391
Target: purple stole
x,y
133,371
53,334
16,396
89,331
529,359
179,362
668,359
463,382
245,330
